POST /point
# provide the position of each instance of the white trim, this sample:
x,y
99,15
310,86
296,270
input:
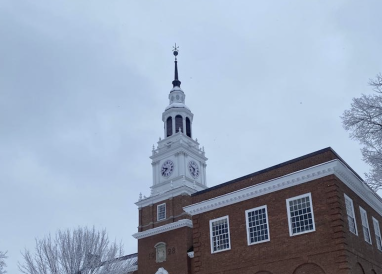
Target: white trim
x,y
247,224
183,190
163,228
358,186
165,211
229,236
365,223
289,216
377,232
190,254
333,167
352,210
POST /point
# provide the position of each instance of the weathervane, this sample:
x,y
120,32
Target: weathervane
x,y
176,82
175,49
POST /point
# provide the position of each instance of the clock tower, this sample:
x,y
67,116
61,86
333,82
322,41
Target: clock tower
x,y
178,160
179,170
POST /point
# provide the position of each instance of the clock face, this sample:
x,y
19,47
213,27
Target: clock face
x,y
167,168
194,169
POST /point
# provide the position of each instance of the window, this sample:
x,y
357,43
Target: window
x,y
300,214
257,225
219,233
161,212
169,126
178,123
351,215
188,127
365,225
377,232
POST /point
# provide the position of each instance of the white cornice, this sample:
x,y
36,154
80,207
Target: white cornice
x,y
179,142
359,187
182,190
335,167
163,228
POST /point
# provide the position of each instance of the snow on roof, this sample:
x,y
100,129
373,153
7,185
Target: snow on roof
x,y
124,264
177,105
176,89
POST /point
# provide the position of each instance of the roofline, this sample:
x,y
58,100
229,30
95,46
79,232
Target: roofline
x,y
278,166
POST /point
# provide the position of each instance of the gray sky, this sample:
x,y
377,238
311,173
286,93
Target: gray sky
x,y
83,85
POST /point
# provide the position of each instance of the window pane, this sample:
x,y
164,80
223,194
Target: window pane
x,y
257,225
300,215
161,212
220,235
350,213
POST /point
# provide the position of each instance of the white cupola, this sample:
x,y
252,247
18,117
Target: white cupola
x,y
177,116
178,161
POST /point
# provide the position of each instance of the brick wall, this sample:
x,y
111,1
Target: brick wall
x,y
174,212
361,254
321,250
177,241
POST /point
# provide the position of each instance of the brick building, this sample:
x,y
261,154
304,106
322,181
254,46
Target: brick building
x,y
312,214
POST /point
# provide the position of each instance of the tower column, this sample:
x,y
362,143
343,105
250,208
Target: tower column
x,y
165,129
203,167
154,174
184,125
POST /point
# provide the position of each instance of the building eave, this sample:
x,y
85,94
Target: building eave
x,y
183,190
163,228
334,167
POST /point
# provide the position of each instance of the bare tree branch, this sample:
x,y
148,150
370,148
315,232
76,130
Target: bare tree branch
x,y
3,256
364,122
78,251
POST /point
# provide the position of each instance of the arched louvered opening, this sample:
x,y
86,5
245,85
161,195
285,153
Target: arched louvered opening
x,y
169,126
178,123
188,127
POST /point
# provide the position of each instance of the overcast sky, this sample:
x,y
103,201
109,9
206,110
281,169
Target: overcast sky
x,y
83,85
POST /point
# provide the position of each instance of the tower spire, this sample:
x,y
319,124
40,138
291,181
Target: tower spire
x,y
176,82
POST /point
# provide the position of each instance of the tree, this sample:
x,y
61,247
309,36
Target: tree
x,y
78,251
3,256
364,122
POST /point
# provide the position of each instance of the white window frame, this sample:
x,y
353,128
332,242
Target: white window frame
x,y
352,210
289,217
377,233
365,224
211,237
248,228
158,206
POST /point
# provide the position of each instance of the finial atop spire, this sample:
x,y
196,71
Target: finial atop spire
x,y
176,82
175,50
